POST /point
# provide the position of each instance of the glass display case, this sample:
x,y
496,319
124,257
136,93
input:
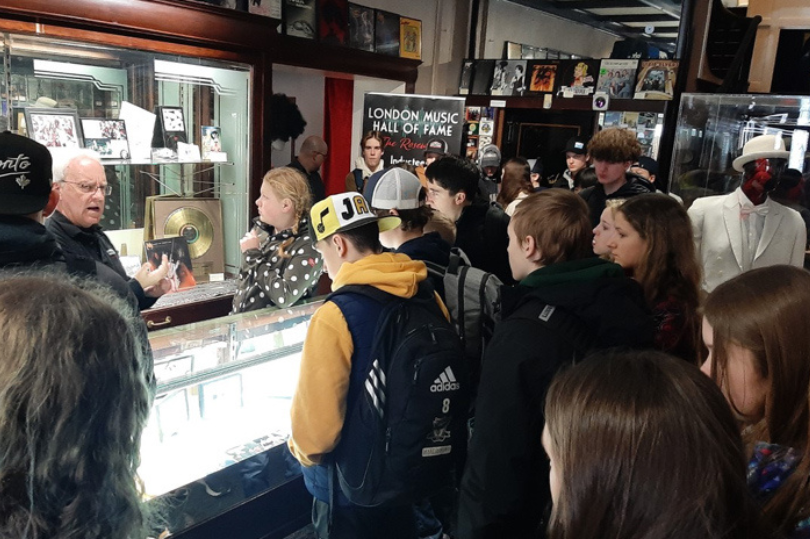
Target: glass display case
x,y
713,128
217,431
173,132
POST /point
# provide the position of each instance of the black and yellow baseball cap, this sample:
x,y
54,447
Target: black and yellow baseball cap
x,y
346,211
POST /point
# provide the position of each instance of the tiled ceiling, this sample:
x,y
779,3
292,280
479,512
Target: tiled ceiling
x,y
626,18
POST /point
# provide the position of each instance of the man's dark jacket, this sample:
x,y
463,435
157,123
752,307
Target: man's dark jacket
x,y
316,186
93,243
505,487
595,196
481,234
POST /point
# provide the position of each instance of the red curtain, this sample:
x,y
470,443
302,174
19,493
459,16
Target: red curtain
x,y
337,132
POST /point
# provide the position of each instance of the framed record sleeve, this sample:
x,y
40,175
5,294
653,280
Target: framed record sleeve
x,y
199,221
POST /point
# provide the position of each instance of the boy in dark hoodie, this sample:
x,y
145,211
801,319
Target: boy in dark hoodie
x,y
612,151
581,302
400,193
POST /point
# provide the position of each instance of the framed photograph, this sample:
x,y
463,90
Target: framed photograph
x,y
212,144
107,137
54,128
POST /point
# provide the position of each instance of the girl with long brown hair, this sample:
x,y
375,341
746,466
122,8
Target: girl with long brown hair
x,y
516,184
279,263
756,329
653,243
643,446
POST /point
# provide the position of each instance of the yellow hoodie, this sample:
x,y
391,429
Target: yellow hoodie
x,y
319,403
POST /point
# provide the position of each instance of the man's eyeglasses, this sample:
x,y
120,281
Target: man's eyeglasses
x,y
90,188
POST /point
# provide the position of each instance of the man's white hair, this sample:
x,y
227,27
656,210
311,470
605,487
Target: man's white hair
x,y
62,157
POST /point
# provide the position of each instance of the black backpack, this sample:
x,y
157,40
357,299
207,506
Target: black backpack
x,y
405,434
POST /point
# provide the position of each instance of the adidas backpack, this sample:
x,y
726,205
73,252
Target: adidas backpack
x,y
406,433
473,297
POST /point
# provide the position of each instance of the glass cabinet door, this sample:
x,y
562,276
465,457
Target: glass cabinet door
x,y
168,128
713,128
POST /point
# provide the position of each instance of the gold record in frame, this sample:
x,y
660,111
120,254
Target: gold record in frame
x,y
193,225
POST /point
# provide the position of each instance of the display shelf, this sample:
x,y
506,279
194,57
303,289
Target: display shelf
x,y
131,162
563,103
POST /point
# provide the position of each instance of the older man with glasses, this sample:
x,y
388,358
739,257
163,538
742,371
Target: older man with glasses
x,y
79,178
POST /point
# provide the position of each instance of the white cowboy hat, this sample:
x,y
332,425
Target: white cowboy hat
x,y
761,147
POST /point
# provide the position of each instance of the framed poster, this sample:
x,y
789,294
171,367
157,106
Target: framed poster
x,y
333,22
54,128
410,38
386,32
107,137
300,18
361,27
465,83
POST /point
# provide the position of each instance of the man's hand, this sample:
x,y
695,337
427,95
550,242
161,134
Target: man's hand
x,y
148,279
250,241
159,289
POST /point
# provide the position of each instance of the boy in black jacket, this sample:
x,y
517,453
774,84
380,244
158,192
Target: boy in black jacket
x,y
566,304
480,226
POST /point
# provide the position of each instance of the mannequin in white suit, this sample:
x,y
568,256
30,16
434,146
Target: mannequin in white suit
x,y
744,229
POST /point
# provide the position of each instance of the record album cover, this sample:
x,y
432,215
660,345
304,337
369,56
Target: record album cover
x,y
617,78
386,32
482,78
465,82
577,77
508,78
333,22
361,27
300,18
410,38
266,8
542,76
656,79
176,250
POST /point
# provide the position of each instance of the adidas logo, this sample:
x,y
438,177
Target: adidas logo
x,y
445,382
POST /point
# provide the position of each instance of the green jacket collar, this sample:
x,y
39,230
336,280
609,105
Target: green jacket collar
x,y
572,271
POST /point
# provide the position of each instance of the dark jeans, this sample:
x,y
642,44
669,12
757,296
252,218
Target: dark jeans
x,y
355,522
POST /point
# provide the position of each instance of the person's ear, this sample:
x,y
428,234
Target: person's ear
x,y
287,205
340,244
53,200
460,198
530,250
393,211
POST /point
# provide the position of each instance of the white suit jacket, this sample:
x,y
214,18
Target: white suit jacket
x,y
718,238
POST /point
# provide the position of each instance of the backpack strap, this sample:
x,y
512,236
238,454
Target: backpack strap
x,y
560,322
358,179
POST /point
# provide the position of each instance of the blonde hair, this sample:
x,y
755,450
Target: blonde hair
x,y
288,183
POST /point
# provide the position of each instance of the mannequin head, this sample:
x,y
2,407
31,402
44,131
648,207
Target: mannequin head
x,y
760,177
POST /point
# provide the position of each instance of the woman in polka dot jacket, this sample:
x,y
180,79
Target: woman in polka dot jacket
x,y
279,263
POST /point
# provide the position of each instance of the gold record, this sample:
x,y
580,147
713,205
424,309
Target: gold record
x,y
193,225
